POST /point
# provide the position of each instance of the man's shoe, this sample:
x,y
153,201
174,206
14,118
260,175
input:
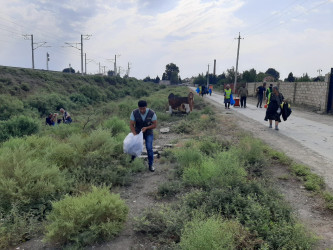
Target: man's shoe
x,y
270,126
151,169
276,128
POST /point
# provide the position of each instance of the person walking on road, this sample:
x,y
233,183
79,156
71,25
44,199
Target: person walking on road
x,y
145,120
227,95
260,92
242,93
273,111
269,90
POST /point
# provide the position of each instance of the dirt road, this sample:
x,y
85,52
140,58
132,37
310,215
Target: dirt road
x,y
306,137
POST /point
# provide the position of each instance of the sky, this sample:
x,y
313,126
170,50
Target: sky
x,y
145,35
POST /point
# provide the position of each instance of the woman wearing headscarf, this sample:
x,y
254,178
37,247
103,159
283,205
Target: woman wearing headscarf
x,y
227,95
273,111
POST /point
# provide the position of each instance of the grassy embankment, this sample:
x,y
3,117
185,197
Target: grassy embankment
x,y
55,180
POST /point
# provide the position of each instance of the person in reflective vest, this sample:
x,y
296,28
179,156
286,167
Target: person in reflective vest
x,y
227,94
268,91
145,120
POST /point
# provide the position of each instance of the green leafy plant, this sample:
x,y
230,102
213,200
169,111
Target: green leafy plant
x,y
213,233
18,126
91,217
116,126
311,181
27,179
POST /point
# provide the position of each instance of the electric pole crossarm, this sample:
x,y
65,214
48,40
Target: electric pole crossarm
x,y
71,45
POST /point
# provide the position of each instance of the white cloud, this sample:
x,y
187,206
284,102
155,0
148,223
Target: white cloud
x,y
190,33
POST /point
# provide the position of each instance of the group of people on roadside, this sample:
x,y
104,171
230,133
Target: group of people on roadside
x,y
203,90
53,118
276,105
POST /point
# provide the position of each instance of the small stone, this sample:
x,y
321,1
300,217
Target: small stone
x,y
164,130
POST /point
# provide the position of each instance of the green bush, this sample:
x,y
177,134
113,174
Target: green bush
x,y
164,223
18,126
80,99
258,208
250,151
63,155
116,126
140,92
10,106
99,159
48,103
17,227
27,178
93,93
279,156
92,217
184,127
210,147
214,234
328,197
188,156
169,189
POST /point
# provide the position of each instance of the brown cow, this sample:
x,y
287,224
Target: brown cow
x,y
176,101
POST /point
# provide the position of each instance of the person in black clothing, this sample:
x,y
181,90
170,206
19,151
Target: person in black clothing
x,y
260,92
144,120
203,90
273,111
49,120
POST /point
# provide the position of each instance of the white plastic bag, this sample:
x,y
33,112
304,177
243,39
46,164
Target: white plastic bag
x,y
133,144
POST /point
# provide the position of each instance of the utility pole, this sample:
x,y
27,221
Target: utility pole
x,y
83,37
214,67
32,51
115,64
40,44
47,60
85,63
99,68
208,77
239,37
128,69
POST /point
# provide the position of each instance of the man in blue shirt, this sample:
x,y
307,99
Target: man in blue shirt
x,y
145,120
260,92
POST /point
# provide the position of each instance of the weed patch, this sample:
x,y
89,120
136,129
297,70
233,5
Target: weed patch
x,y
311,181
213,233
